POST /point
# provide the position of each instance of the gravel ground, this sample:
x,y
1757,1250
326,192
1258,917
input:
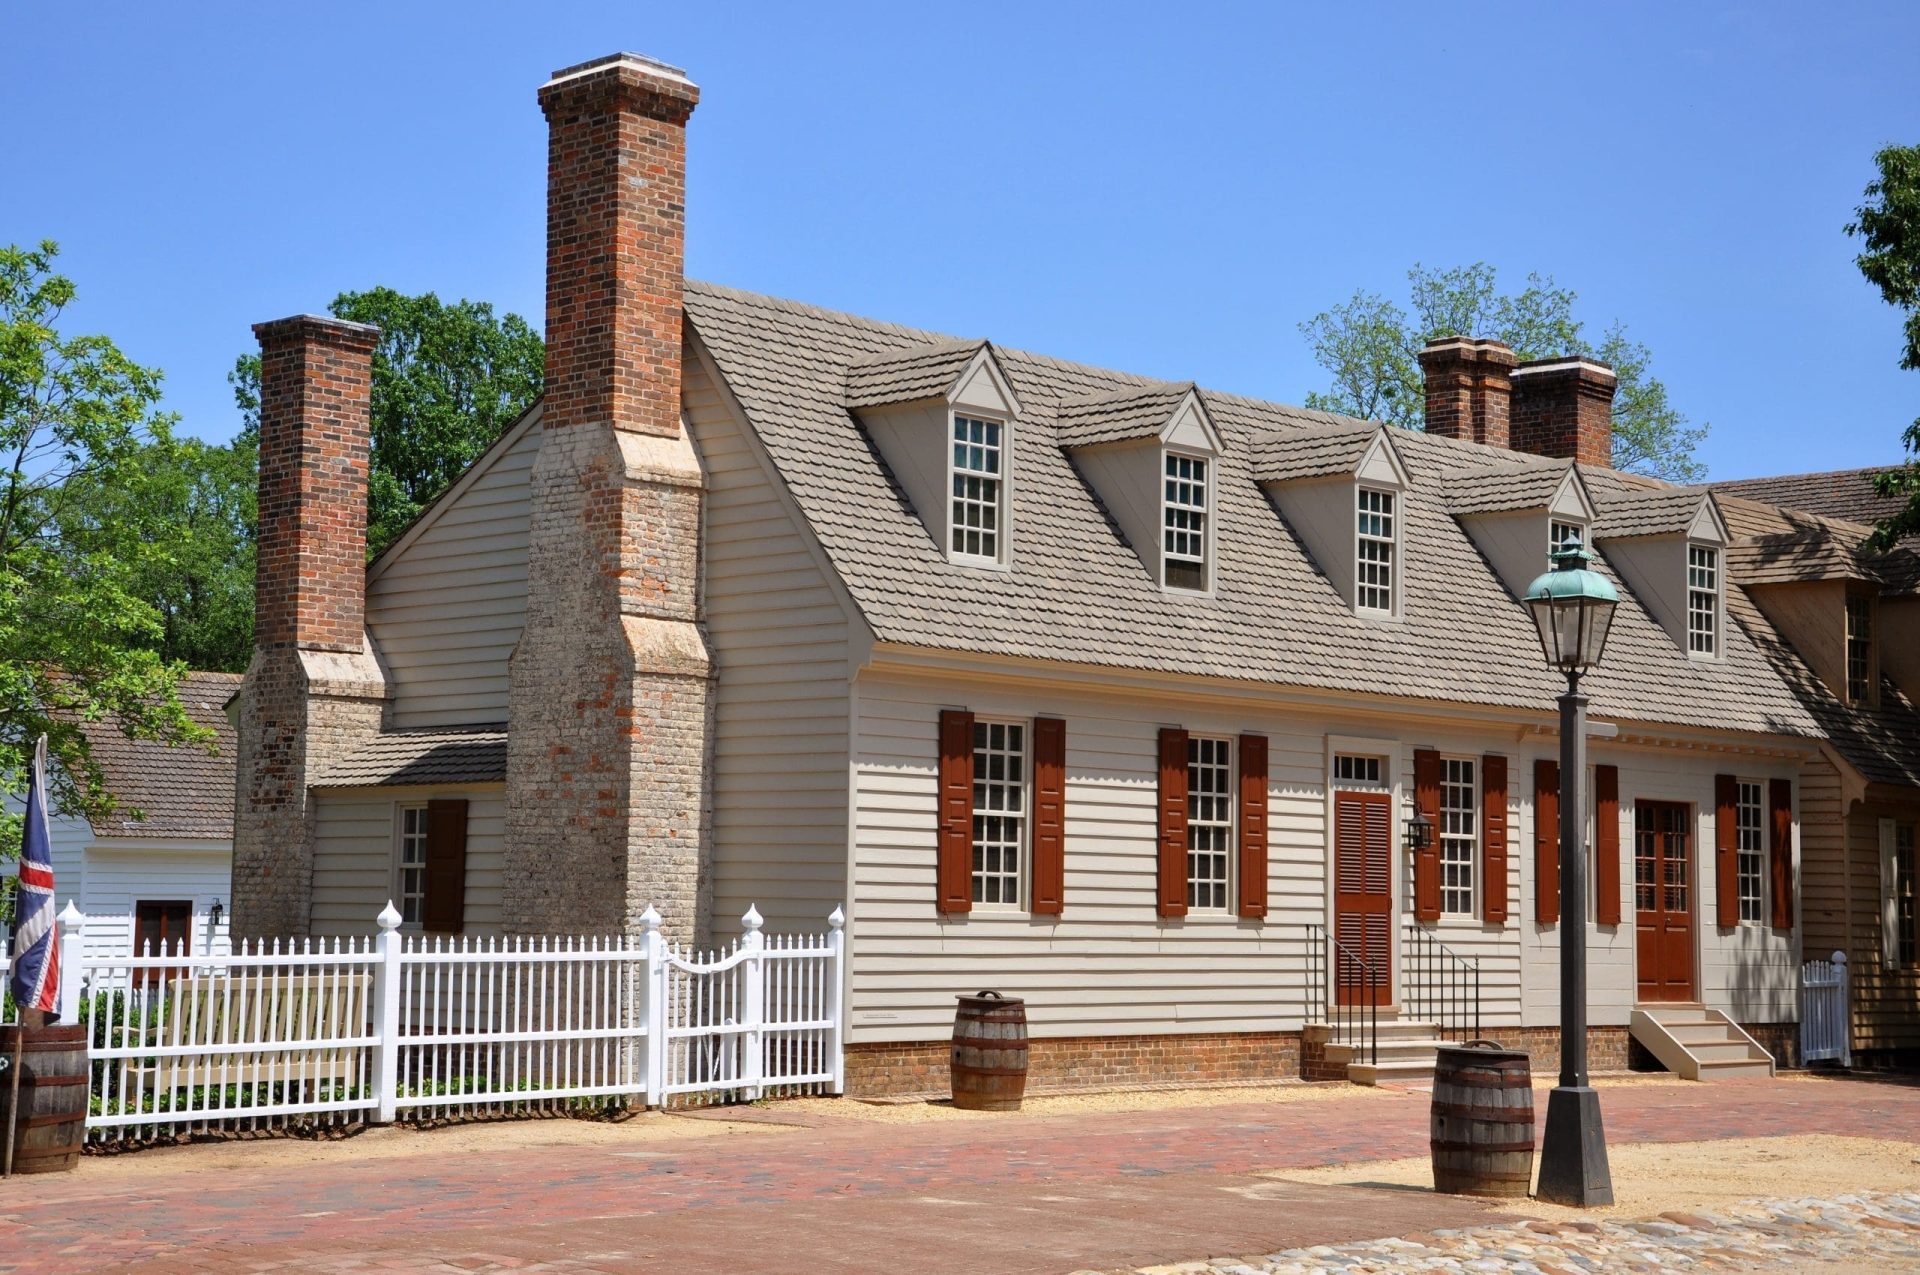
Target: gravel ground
x,y
1075,1104
1869,1232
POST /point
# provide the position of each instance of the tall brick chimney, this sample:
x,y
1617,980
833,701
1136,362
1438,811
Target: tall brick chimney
x,y
313,691
1564,407
609,705
1468,389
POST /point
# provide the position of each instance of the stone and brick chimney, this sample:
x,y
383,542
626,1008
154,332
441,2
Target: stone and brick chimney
x,y
313,692
1564,407
1478,391
1468,388
609,709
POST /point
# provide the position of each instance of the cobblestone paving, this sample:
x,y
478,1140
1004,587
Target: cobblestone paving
x,y
1878,1232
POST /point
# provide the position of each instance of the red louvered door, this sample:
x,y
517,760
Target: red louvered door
x,y
1363,891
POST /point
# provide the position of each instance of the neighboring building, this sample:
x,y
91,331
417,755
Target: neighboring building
x,y
156,869
1846,494
1111,693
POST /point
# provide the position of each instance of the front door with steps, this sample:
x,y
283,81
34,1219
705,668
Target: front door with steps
x,y
1663,900
1363,897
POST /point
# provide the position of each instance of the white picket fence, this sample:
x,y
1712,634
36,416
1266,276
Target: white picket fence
x,y
1825,1025
410,1026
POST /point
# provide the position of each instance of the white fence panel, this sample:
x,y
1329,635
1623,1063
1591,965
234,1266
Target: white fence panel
x,y
420,1026
1825,1024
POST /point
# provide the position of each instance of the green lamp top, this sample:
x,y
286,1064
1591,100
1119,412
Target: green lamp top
x,y
1570,580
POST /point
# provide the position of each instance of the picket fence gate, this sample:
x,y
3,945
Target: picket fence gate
x,y
410,1026
1825,1024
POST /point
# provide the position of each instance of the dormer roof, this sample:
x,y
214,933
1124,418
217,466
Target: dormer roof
x,y
965,373
1667,511
1172,412
1555,487
1363,450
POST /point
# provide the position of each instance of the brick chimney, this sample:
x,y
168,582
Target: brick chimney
x,y
313,692
1468,388
608,706
1564,407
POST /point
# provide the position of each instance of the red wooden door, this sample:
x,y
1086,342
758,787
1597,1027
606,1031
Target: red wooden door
x,y
1363,894
161,929
1663,900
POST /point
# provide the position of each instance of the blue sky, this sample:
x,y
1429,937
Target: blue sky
x,y
1164,189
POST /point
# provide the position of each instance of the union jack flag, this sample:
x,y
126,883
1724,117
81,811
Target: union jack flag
x,y
36,949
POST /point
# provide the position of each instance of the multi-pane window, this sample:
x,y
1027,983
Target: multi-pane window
x,y
1209,820
1859,647
977,473
411,866
1747,838
1703,600
1906,918
999,810
1349,769
1184,556
1374,551
1561,534
1459,834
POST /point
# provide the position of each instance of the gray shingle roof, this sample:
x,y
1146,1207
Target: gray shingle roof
x,y
1528,485
1077,593
903,376
448,755
183,791
1310,451
1137,411
1664,511
1840,493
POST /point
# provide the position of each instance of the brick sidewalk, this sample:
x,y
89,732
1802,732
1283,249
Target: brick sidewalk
x,y
1028,1194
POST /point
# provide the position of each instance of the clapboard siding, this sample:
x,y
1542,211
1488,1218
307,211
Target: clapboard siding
x,y
1886,1000
779,637
445,608
354,849
119,877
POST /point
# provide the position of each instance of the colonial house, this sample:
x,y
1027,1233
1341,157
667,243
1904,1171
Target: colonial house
x,y
1110,693
155,872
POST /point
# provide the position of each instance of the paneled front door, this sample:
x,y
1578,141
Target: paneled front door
x,y
1363,896
1663,899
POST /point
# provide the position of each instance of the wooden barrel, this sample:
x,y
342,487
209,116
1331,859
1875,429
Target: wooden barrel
x,y
989,1053
1482,1121
53,1096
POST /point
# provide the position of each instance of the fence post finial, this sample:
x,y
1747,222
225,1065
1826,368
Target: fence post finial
x,y
752,921
73,918
389,917
650,920
837,919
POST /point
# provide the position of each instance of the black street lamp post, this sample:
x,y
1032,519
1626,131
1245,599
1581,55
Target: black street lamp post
x,y
1573,608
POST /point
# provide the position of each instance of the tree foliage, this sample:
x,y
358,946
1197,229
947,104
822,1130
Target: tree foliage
x,y
1371,347
1888,223
447,381
77,638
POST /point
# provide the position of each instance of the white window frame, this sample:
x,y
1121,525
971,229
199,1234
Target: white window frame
x,y
411,903
1892,833
1705,640
1555,526
1356,779
1393,513
1860,604
1449,842
1010,884
1169,507
1002,504
1210,825
1750,850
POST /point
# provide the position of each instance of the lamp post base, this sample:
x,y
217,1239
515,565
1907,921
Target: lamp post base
x,y
1573,1156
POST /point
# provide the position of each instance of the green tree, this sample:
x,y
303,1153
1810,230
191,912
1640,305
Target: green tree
x,y
447,381
1371,347
76,637
1889,224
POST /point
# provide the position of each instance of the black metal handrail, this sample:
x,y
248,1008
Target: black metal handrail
x,y
1440,985
1343,993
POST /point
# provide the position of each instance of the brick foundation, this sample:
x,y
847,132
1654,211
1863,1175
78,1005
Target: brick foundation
x,y
899,1069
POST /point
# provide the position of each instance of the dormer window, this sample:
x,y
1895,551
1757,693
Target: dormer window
x,y
1561,534
1184,523
1859,648
1703,601
978,493
1374,551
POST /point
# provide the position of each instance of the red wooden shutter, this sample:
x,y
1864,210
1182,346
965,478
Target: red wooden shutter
x,y
1606,846
954,874
1426,863
1253,825
1726,851
444,909
1049,815
1173,822
1493,838
1546,841
1780,800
